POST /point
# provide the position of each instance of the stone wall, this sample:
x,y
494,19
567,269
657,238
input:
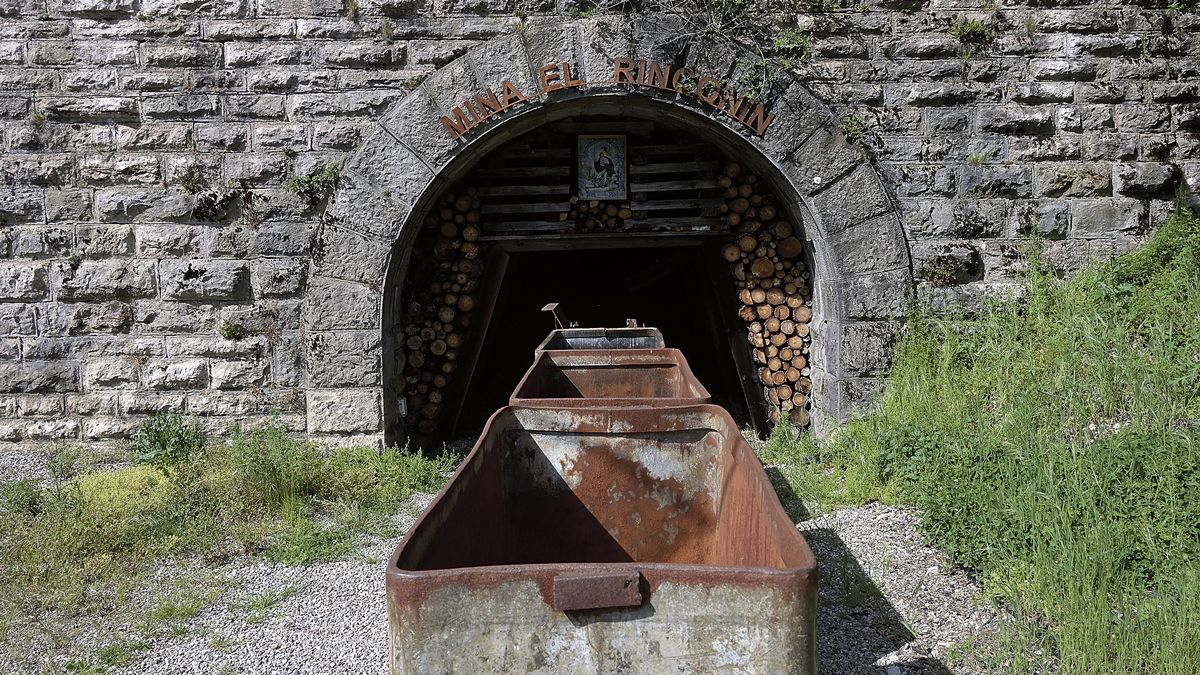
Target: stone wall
x,y
154,258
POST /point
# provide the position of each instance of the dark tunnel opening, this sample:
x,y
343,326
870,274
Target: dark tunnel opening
x,y
670,288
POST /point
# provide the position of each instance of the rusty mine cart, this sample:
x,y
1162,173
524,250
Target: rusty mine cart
x,y
609,519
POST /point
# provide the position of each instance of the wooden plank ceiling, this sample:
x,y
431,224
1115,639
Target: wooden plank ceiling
x,y
526,188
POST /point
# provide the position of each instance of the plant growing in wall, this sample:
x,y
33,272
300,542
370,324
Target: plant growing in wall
x,y
317,185
853,129
193,181
973,32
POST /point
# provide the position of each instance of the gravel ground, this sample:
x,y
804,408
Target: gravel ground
x,y
889,605
332,621
19,463
888,602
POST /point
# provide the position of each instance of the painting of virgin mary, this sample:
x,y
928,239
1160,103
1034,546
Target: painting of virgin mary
x,y
603,171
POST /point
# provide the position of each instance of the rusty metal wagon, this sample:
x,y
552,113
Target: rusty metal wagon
x,y
617,377
604,540
602,338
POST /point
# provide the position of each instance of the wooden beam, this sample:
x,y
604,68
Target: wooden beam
x,y
670,167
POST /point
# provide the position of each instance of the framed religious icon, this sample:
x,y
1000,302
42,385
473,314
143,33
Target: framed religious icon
x,y
603,169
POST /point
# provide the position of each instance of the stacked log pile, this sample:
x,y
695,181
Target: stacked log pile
x,y
597,215
765,256
438,306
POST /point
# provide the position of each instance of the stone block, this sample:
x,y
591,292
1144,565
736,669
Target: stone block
x,y
343,254
255,107
38,377
346,411
1072,180
33,242
105,279
1047,218
256,169
24,282
285,137
90,109
205,279
929,94
52,430
68,205
238,374
1145,180
995,181
1104,217
181,55
332,304
866,347
83,53
342,359
110,428
279,277
128,205
361,54
151,403
1016,120
17,319
152,316
1034,93
166,241
180,106
173,374
874,297
153,81
87,318
221,137
215,347
93,404
119,168
874,245
947,263
267,317
105,241
117,373
40,406
1076,70
258,54
48,169
850,200
161,136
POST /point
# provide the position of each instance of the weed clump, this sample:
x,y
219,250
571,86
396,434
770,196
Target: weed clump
x,y
317,185
973,32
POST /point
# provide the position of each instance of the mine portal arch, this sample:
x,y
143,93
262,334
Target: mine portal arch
x,y
857,248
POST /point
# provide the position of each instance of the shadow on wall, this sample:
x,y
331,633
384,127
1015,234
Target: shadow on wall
x,y
856,625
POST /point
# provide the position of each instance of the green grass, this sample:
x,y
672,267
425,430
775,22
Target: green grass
x,y
83,542
1053,445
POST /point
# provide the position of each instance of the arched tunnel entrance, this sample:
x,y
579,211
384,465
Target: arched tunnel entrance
x,y
612,219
